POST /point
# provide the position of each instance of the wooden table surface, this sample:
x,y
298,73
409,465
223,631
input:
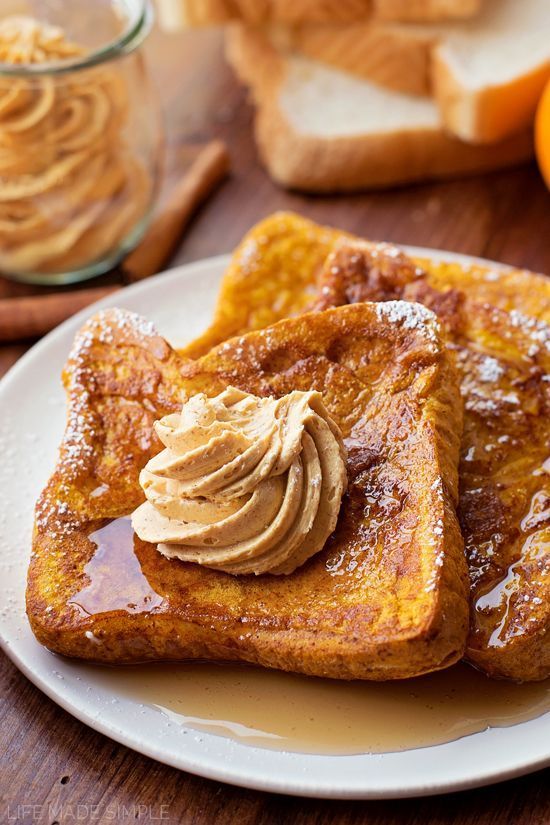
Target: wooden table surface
x,y
53,762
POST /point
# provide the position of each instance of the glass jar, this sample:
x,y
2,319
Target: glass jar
x,y
80,137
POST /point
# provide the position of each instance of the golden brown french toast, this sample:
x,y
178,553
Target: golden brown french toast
x,y
504,511
274,270
386,597
497,319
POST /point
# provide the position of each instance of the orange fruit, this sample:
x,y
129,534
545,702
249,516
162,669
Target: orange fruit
x,y
542,134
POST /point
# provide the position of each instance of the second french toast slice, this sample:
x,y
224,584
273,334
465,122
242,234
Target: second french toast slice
x,y
504,363
274,272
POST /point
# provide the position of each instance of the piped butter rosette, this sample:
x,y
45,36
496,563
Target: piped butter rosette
x,y
70,188
244,484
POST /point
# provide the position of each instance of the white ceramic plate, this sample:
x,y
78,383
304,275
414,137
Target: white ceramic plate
x,y
32,415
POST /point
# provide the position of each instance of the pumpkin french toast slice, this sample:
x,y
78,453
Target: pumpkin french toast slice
x,y
504,362
387,595
275,269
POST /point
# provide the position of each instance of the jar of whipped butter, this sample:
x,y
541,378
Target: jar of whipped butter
x,y
80,136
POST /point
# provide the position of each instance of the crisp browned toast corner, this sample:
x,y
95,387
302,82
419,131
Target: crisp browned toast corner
x,y
386,598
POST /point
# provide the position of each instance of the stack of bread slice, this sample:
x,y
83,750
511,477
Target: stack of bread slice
x,y
353,94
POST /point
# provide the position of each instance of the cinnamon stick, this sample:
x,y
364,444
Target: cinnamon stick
x,y
156,248
32,316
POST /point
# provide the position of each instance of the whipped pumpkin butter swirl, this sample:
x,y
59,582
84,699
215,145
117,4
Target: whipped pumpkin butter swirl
x,y
245,484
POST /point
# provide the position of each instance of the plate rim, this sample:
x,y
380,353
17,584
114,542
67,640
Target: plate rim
x,y
225,773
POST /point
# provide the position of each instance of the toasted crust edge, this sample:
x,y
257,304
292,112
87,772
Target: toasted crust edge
x,y
426,10
208,12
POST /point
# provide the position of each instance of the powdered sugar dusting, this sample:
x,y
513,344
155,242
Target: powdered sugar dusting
x,y
55,515
538,331
109,327
104,326
410,316
437,488
489,370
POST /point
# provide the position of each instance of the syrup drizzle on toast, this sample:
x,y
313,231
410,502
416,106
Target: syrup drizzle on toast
x,y
267,708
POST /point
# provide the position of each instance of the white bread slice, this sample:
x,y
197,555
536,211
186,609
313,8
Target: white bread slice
x,y
322,130
212,12
486,74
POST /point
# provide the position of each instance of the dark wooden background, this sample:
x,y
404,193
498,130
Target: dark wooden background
x,y
46,755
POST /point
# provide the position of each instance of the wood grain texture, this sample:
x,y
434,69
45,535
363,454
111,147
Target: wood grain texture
x,y
50,760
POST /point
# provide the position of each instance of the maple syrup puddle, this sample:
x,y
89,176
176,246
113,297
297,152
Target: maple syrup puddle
x,y
284,711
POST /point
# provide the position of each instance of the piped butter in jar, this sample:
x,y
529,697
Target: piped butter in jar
x,y
244,484
79,142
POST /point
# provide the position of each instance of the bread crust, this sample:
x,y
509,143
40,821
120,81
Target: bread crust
x,y
426,10
341,164
208,12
